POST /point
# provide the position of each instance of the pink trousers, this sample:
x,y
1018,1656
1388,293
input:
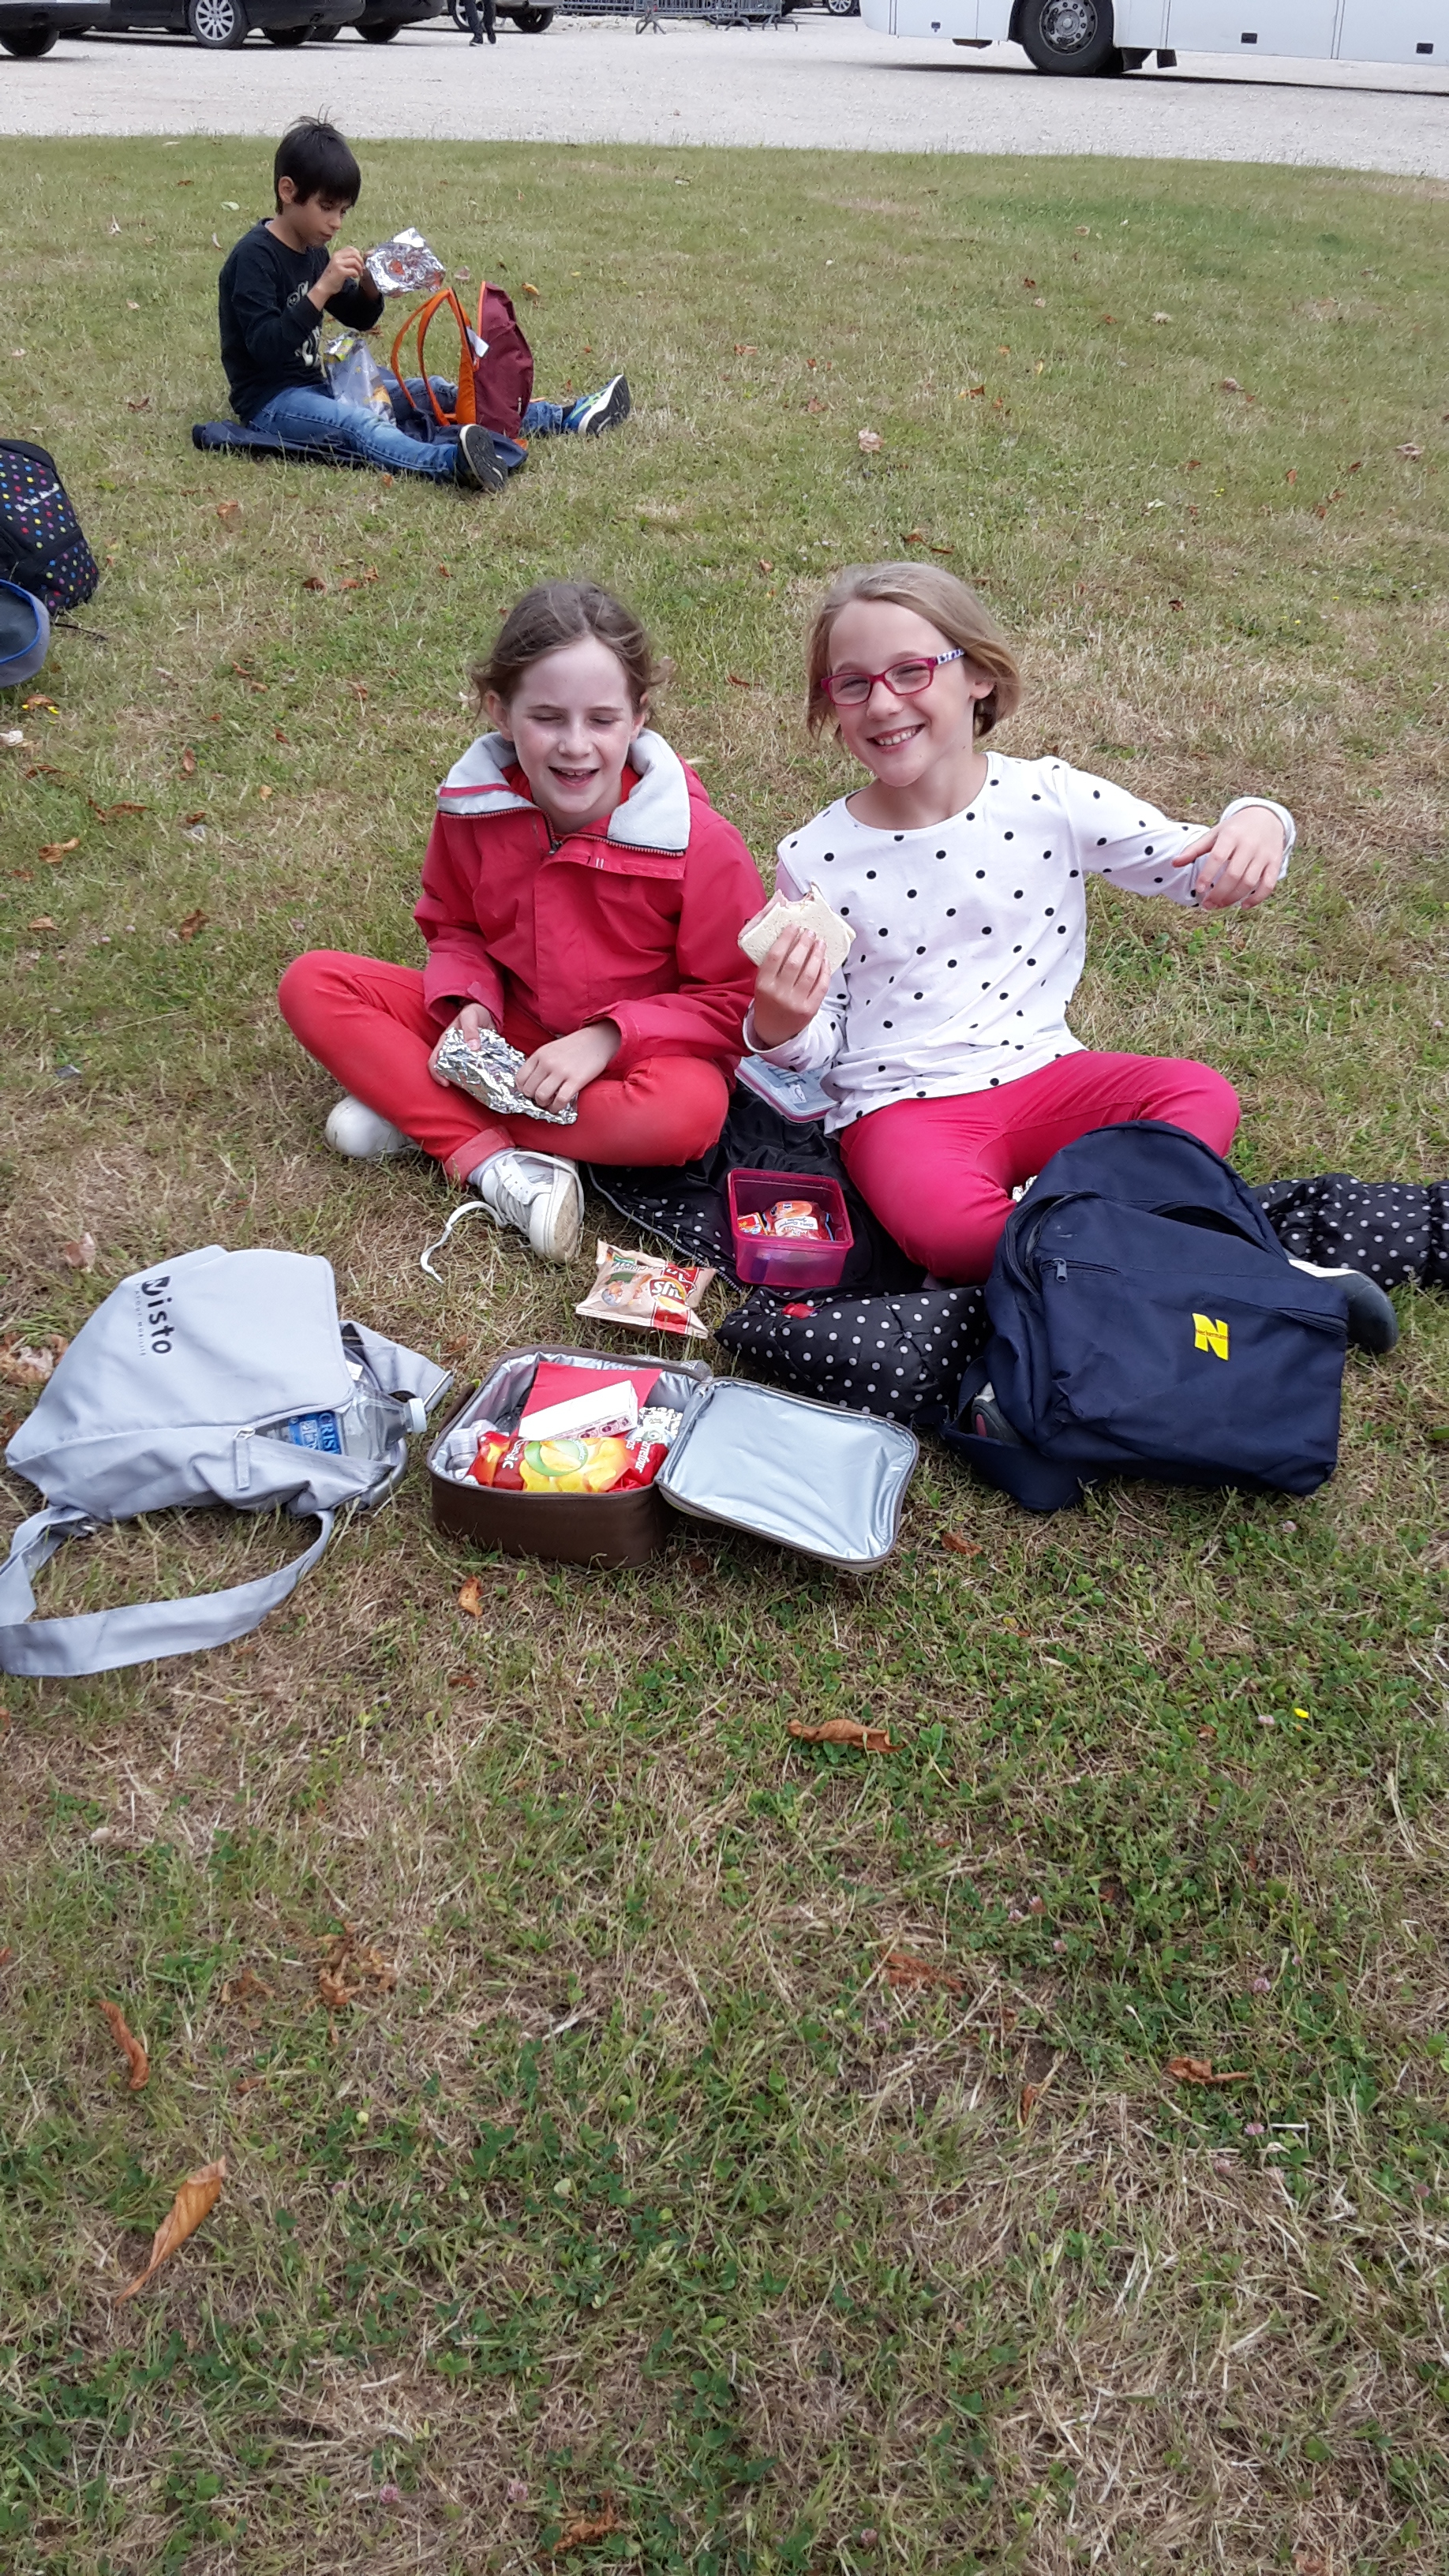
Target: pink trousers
x,y
940,1173
369,1025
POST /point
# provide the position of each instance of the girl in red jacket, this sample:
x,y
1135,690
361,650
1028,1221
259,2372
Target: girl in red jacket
x,y
582,896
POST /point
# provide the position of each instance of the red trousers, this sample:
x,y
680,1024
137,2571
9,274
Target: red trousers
x,y
940,1173
368,1024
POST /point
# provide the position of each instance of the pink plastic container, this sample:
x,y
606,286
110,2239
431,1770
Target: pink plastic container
x,y
773,1261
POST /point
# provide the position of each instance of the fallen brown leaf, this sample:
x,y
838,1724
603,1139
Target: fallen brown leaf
x,y
737,682
358,688
108,813
279,736
7,1954
80,1255
42,921
1322,508
868,441
747,349
1028,281
764,567
194,921
470,1598
1410,448
956,1545
904,1969
265,794
844,1730
530,290
347,1967
54,851
815,404
1357,465
188,763
1230,385
943,550
226,511
914,537
245,1989
314,581
187,820
142,402
22,1365
1199,2070
1177,603
194,2201
49,705
130,2048
461,1681
1030,2096
583,2528
1311,2562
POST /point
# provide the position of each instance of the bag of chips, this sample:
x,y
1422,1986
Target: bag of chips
x,y
647,1294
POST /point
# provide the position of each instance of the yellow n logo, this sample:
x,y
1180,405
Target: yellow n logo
x,y
1210,1336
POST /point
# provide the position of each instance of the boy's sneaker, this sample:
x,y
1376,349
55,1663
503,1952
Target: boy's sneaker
x,y
603,410
1372,1323
540,1194
478,465
357,1131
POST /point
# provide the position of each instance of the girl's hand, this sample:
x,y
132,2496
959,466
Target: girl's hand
x,y
1246,858
474,1022
555,1074
790,987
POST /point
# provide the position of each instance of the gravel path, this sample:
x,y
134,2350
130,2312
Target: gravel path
x,y
820,83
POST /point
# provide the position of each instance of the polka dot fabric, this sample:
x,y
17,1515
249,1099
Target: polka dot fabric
x,y
970,935
886,1355
1392,1230
41,544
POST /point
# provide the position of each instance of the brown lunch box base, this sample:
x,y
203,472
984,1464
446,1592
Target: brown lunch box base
x,y
568,1529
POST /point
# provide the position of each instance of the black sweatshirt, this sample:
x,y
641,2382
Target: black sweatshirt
x,y
271,331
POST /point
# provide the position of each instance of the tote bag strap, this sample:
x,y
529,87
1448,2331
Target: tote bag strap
x,y
100,1641
465,408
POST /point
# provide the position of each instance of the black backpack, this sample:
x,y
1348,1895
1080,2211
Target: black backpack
x,y
41,544
1148,1322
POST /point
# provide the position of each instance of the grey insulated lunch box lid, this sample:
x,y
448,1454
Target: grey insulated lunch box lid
x,y
810,1476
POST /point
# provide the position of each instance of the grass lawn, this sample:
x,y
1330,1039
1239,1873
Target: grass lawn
x,y
642,2198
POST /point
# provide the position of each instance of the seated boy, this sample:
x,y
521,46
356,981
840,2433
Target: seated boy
x,y
285,274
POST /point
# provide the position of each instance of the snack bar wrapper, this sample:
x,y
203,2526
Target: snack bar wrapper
x,y
798,1220
647,1294
489,1072
405,265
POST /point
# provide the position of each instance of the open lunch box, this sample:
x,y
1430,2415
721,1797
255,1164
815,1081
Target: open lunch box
x,y
814,1477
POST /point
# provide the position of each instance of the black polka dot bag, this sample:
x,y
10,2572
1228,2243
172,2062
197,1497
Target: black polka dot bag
x,y
887,1355
42,545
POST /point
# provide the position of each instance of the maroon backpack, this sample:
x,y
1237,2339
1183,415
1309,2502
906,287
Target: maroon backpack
x,y
495,364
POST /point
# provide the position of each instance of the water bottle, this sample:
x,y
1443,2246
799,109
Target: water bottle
x,y
366,1428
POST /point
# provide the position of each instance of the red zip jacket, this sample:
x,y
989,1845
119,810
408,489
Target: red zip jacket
x,y
635,921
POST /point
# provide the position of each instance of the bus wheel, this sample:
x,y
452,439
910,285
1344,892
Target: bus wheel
x,y
1074,37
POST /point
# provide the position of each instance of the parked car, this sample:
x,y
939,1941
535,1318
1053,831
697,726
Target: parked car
x,y
30,27
222,25
381,19
528,20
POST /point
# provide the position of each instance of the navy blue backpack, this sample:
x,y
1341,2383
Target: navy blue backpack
x,y
1148,1322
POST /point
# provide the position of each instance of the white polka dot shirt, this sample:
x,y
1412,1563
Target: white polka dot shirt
x,y
970,936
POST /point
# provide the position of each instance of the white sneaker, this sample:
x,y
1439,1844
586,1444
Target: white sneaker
x,y
357,1131
540,1194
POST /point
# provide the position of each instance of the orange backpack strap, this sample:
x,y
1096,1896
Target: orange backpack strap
x,y
464,408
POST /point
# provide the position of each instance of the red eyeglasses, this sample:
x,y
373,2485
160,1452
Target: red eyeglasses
x,y
904,679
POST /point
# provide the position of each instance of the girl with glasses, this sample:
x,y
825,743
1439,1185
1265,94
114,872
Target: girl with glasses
x,y
943,1040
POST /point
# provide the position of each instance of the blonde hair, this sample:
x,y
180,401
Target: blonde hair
x,y
945,602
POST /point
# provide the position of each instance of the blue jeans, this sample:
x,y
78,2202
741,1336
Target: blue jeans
x,y
304,416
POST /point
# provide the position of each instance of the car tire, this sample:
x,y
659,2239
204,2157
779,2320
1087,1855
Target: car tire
x,y
381,34
843,8
218,25
1073,38
288,35
27,44
529,22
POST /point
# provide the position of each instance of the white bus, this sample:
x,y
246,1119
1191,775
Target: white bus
x,y
1105,36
